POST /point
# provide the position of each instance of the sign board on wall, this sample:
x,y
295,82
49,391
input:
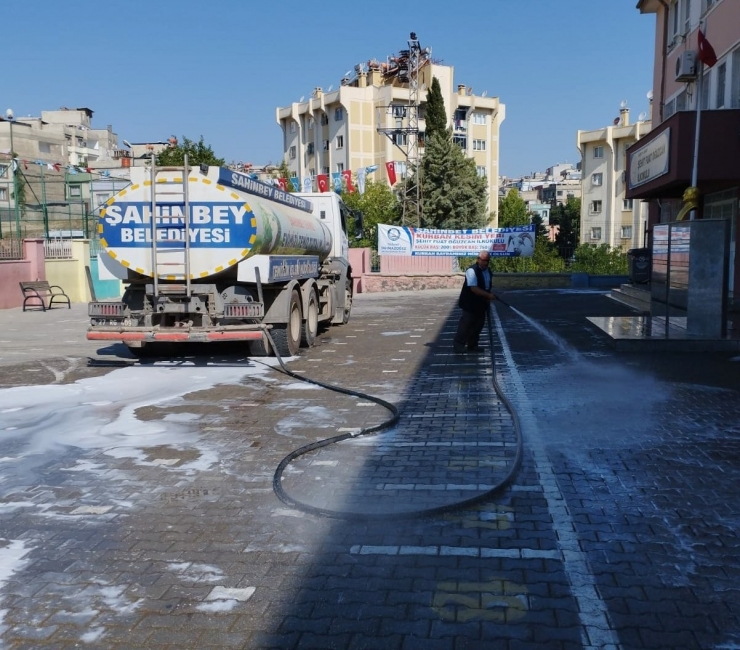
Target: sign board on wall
x,y
651,161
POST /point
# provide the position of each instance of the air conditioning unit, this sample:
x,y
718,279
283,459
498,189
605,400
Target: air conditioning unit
x,y
686,66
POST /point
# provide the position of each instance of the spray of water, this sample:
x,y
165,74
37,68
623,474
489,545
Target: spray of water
x,y
553,338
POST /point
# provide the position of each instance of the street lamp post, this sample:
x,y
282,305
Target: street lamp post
x,y
14,168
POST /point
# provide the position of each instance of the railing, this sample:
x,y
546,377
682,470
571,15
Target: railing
x,y
11,249
58,249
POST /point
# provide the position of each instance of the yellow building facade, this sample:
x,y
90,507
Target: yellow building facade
x,y
366,121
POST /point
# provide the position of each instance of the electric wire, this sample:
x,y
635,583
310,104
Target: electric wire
x,y
395,417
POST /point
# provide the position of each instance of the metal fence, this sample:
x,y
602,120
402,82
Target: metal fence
x,y
11,248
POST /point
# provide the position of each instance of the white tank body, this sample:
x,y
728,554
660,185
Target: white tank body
x,y
231,217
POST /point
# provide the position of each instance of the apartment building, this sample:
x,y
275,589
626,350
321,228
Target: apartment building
x,y
607,215
366,122
661,166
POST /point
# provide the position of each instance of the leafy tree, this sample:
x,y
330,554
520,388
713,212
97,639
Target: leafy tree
x,y
378,204
512,210
568,218
198,154
453,195
435,115
600,260
284,172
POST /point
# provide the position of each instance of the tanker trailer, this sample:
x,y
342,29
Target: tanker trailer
x,y
209,254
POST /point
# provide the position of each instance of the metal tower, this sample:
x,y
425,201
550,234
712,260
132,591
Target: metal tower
x,y
405,130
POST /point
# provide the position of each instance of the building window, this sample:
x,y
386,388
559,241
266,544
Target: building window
x,y
595,207
708,4
291,152
735,85
400,138
479,145
325,170
479,118
627,205
310,122
461,141
400,169
75,191
309,148
326,145
340,167
721,74
338,114
293,127
597,179
595,233
44,147
398,110
311,172
599,152
3,194
626,232
3,170
686,16
340,142
481,171
559,192
324,119
682,101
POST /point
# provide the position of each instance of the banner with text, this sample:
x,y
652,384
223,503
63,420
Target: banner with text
x,y
516,241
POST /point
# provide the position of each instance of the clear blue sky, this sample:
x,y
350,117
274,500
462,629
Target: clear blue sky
x,y
155,68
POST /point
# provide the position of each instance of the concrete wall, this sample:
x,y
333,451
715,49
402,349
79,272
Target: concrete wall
x,y
26,270
70,274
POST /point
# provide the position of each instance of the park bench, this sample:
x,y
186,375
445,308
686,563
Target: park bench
x,y
42,294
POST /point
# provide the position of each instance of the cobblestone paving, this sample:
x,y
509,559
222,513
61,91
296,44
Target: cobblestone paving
x,y
620,530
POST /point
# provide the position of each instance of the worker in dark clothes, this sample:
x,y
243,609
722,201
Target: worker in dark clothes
x,y
475,298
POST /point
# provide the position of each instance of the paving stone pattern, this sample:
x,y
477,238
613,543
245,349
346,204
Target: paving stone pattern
x,y
620,530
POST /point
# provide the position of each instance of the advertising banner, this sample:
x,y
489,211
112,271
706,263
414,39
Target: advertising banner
x,y
516,241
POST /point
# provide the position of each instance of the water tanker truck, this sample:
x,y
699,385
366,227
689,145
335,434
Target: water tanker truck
x,y
209,254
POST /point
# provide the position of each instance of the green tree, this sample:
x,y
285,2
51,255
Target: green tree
x,y
198,154
284,172
512,210
453,195
435,115
600,260
568,218
378,204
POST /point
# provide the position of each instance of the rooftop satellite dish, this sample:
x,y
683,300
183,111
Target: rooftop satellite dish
x,y
641,117
484,93
650,95
348,73
329,89
623,104
302,98
127,143
9,114
617,120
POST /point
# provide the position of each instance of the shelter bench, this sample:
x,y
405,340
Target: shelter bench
x,y
42,294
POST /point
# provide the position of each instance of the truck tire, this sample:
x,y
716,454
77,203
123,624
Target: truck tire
x,y
311,322
287,336
347,301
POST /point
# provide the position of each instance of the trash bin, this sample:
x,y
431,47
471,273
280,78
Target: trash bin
x,y
638,265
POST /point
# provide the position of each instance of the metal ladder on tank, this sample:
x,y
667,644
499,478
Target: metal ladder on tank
x,y
177,190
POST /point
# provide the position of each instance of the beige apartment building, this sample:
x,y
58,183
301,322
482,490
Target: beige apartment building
x,y
607,216
367,119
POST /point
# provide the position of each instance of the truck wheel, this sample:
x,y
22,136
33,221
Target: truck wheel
x,y
287,336
347,301
311,323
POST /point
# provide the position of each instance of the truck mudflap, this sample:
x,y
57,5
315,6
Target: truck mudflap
x,y
111,334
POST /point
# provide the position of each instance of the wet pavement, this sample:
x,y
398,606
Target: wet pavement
x,y
137,507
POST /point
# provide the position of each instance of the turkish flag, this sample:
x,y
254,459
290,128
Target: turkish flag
x,y
347,175
391,169
322,180
283,183
707,54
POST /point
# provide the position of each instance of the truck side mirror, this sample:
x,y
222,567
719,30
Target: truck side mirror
x,y
359,223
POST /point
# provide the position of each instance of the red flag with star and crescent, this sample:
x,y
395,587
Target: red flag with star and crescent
x,y
322,180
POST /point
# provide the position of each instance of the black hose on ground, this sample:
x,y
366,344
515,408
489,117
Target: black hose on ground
x,y
395,416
